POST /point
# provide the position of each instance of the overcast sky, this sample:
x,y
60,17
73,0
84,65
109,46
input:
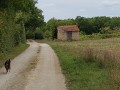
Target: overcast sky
x,y
64,9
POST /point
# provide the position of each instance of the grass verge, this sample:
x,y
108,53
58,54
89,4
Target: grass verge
x,y
13,53
80,75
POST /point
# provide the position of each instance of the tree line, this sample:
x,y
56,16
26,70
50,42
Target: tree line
x,y
87,26
101,24
18,18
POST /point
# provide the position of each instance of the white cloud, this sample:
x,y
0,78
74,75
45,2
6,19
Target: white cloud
x,y
82,10
110,3
49,5
46,5
63,9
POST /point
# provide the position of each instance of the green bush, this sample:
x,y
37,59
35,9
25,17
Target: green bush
x,y
39,34
48,34
30,35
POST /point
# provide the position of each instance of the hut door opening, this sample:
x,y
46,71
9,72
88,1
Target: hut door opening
x,y
69,35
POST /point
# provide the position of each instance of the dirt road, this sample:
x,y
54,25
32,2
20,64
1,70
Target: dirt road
x,y
37,68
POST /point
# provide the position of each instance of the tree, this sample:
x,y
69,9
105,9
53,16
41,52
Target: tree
x,y
14,14
92,25
35,20
52,27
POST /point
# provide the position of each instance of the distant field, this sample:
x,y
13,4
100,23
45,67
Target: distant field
x,y
90,64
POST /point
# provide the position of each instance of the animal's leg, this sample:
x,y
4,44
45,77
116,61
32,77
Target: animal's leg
x,y
6,70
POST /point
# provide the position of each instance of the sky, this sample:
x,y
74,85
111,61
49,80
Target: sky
x,y
65,9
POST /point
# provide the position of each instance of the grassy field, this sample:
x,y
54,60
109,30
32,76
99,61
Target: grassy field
x,y
13,53
90,64
79,74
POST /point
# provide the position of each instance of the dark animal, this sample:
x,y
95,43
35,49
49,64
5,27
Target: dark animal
x,y
7,65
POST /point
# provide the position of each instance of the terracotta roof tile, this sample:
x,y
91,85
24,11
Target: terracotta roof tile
x,y
68,28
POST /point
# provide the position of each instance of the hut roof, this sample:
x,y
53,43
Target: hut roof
x,y
68,28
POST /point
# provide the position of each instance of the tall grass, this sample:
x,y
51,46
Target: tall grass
x,y
108,60
80,74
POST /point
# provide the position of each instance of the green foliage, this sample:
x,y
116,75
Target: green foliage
x,y
35,20
52,27
30,35
84,24
99,36
18,34
97,24
7,30
115,22
48,35
16,17
23,5
39,33
105,30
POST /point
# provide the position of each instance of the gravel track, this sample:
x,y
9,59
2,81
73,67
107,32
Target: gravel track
x,y
37,68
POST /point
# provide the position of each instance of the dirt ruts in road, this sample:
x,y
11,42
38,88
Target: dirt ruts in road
x,y
47,74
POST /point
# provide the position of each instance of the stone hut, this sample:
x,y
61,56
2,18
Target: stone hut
x,y
70,32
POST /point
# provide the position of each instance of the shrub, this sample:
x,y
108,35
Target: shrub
x,y
48,34
38,34
30,35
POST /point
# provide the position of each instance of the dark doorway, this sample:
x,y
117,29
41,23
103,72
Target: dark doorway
x,y
69,35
